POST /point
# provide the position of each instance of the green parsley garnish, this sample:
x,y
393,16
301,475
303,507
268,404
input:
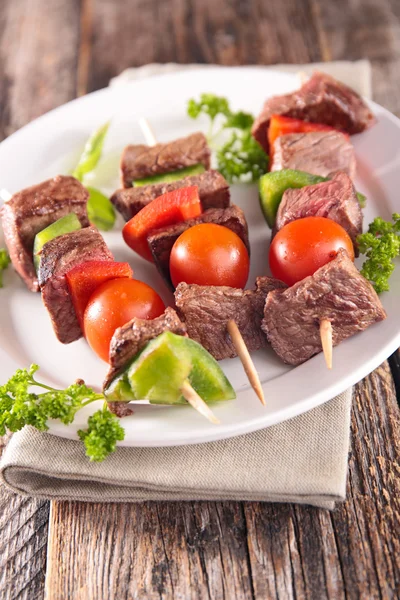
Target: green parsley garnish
x,y
240,158
20,405
381,245
4,262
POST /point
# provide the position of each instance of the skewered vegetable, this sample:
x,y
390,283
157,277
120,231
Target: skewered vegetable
x,y
85,278
64,225
4,262
172,176
273,185
176,360
113,304
168,209
209,254
303,246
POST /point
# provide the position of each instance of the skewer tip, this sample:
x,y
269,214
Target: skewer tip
x,y
325,330
246,359
197,402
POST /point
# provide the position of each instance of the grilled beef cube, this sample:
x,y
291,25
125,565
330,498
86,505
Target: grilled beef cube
x,y
129,339
322,99
205,310
141,161
33,209
162,240
336,292
320,153
59,256
335,199
212,187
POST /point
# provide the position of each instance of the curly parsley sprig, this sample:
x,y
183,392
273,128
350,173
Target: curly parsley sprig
x,y
20,405
240,158
381,245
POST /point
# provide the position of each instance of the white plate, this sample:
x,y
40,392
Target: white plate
x,y
51,144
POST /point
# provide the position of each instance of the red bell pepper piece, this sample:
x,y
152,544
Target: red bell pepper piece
x,y
168,209
85,278
280,125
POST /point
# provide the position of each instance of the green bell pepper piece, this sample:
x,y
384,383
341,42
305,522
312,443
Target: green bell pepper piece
x,y
64,225
169,177
158,372
273,185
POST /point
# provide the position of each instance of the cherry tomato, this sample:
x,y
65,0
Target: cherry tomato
x,y
113,304
209,254
303,246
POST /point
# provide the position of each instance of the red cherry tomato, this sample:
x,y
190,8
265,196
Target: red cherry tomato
x,y
209,254
303,246
113,304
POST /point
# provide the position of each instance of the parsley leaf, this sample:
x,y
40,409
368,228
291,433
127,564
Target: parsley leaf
x,y
20,405
4,262
381,245
240,158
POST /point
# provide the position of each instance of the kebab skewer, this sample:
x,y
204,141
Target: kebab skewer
x,y
231,326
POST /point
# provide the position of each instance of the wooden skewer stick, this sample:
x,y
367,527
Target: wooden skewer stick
x,y
233,330
197,402
245,357
5,195
325,330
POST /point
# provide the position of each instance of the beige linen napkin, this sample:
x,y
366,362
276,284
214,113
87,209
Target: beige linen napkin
x,y
302,460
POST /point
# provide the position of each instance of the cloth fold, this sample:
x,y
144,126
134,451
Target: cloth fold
x,y
302,460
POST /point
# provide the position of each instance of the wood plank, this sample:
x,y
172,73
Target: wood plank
x,y
38,55
233,550
185,31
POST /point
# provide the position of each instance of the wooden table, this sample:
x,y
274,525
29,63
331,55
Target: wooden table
x,y
51,52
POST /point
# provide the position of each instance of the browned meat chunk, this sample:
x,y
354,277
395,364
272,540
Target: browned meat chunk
x,y
205,310
141,161
59,256
336,292
31,210
322,99
335,199
320,153
162,240
129,339
213,191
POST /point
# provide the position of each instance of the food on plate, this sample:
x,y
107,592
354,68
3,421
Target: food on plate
x,y
173,207
4,263
162,240
280,125
100,210
321,99
212,187
380,244
64,225
206,310
85,278
336,292
21,404
273,185
140,162
240,158
303,246
335,199
58,257
177,360
114,303
134,335
31,210
209,254
319,153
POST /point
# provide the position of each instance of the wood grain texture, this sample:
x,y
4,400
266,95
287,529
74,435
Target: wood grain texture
x,y
52,51
246,550
38,57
